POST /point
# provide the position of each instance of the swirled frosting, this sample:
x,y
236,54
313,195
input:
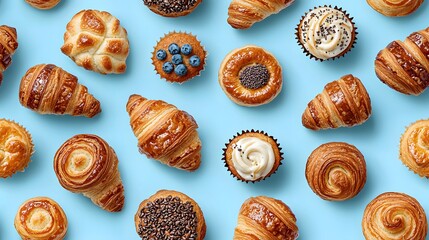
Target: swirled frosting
x,y
253,158
326,32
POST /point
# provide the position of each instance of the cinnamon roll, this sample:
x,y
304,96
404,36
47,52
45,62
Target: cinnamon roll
x,y
414,147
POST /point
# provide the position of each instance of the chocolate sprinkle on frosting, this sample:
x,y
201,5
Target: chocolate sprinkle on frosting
x,y
168,218
254,76
171,6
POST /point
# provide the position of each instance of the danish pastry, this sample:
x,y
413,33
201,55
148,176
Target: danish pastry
x,y
41,218
250,76
336,171
265,218
392,216
87,164
343,103
8,46
172,8
170,215
165,133
96,41
395,8
16,148
43,4
414,148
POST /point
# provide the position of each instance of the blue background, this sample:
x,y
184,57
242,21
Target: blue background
x,y
219,195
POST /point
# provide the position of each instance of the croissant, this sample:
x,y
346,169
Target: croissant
x,y
404,66
41,218
265,218
343,103
413,148
392,216
395,8
48,89
165,133
87,164
96,41
244,13
8,46
43,4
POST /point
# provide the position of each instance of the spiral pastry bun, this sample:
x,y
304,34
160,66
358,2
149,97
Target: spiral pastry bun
x,y
413,149
87,164
41,218
395,8
392,216
336,171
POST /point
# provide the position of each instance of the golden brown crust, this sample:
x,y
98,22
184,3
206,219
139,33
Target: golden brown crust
x,y
16,148
395,8
48,89
343,103
242,14
201,223
404,66
43,4
165,133
8,46
336,171
265,218
87,164
96,41
154,8
393,216
180,39
41,218
235,62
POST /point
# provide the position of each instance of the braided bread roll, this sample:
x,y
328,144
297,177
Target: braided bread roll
x,y
8,46
336,171
48,89
343,103
392,216
413,149
96,41
265,218
87,164
165,133
43,4
395,8
244,13
404,66
41,218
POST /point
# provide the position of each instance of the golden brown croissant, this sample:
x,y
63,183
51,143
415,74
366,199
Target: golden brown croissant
x,y
395,8
8,46
96,41
87,164
393,216
165,133
343,103
404,66
244,13
336,171
48,89
43,4
41,218
414,148
265,218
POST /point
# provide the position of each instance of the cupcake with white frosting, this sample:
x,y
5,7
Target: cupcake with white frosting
x,y
252,156
326,33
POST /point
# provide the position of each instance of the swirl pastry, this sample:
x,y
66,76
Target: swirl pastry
x,y
395,8
165,133
96,41
172,8
336,171
343,103
87,164
48,89
326,33
16,148
413,149
252,156
404,66
41,218
43,4
8,46
170,215
392,216
250,76
265,218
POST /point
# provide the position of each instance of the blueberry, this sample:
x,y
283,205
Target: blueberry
x,y
177,59
195,61
186,49
181,70
161,55
174,49
167,67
